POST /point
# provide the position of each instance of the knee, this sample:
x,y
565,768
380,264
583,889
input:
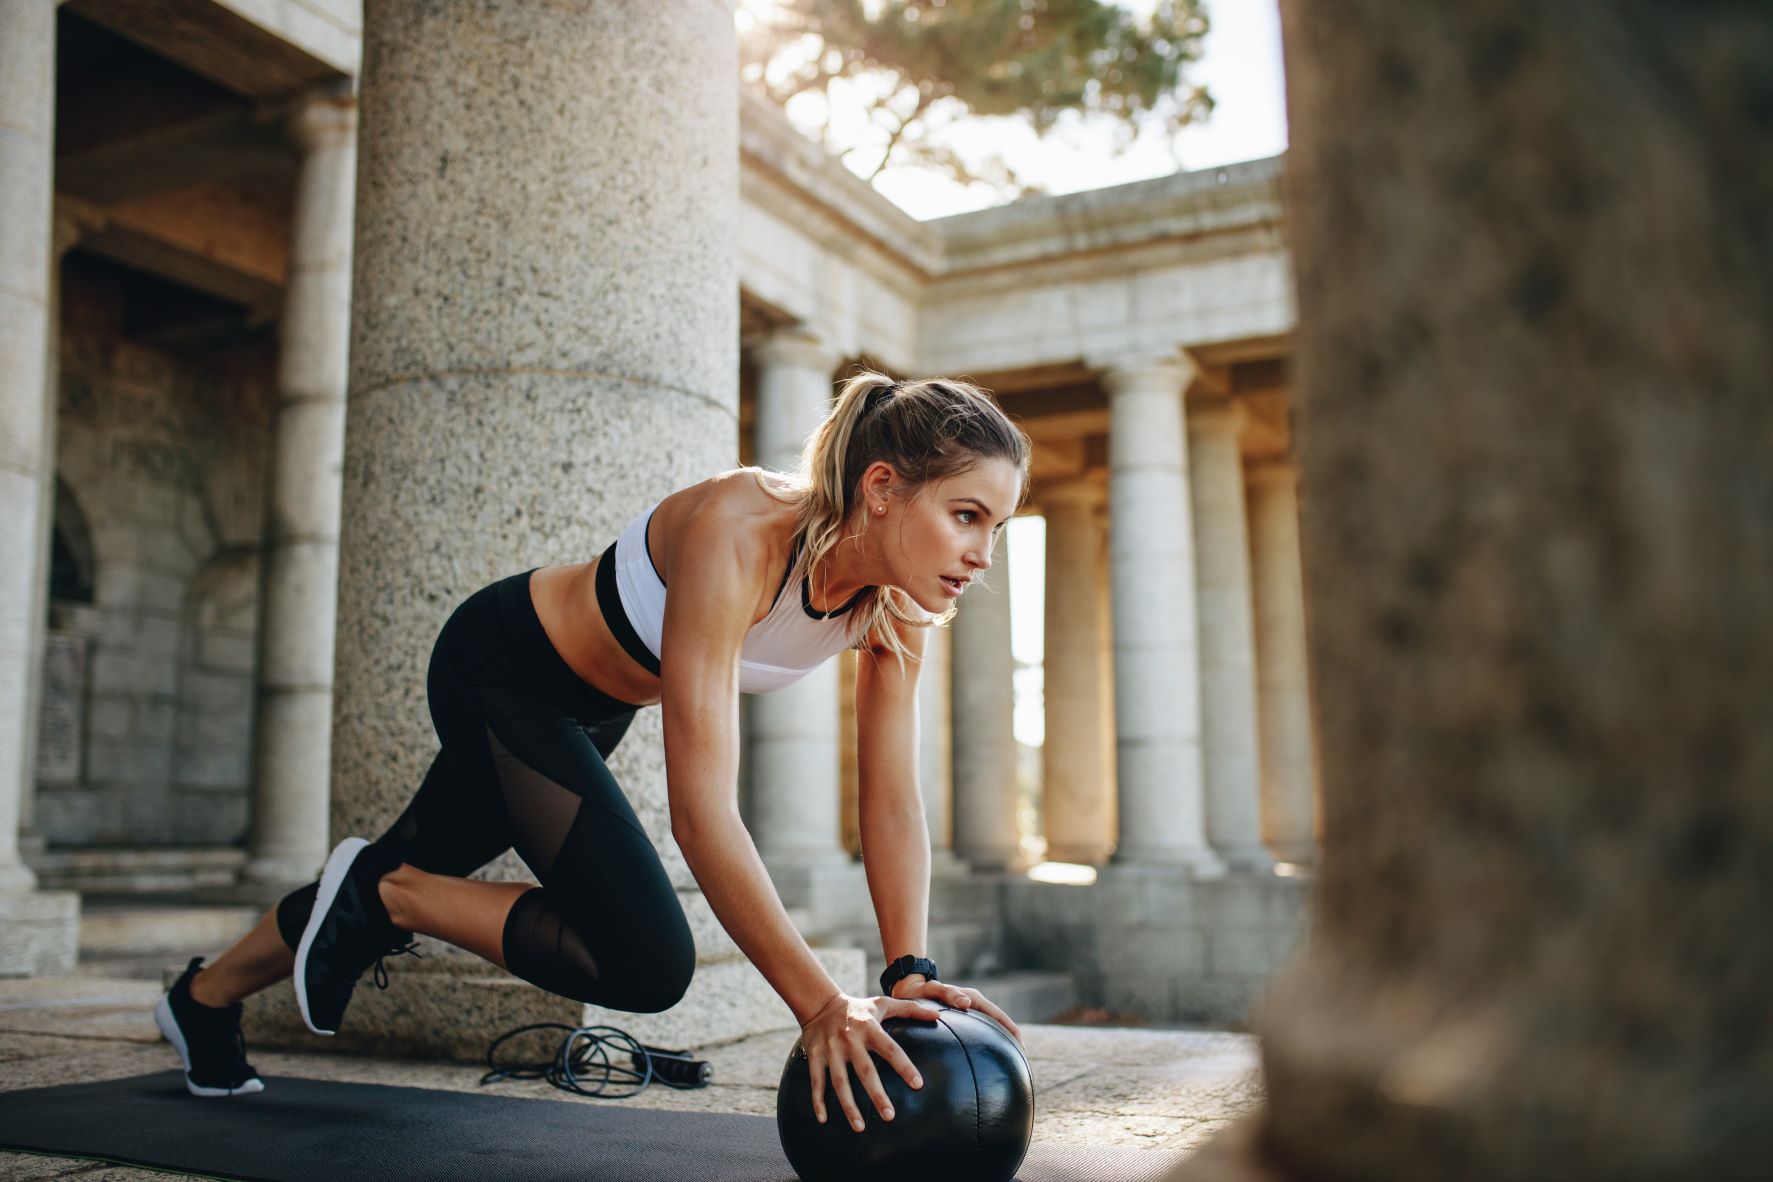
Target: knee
x,y
660,982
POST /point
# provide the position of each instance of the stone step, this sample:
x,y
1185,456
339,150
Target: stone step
x,y
966,896
123,870
122,928
1028,996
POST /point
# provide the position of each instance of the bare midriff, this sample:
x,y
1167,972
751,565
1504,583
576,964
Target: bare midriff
x,y
565,597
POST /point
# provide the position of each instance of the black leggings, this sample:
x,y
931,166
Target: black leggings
x,y
524,741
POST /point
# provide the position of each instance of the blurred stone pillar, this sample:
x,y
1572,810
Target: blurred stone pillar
x,y
289,832
1156,638
1229,744
1535,279
1077,800
1283,695
935,756
984,725
795,803
41,928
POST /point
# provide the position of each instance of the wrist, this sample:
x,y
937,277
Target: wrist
x,y
906,983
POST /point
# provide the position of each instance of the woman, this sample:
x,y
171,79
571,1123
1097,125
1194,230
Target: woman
x,y
901,495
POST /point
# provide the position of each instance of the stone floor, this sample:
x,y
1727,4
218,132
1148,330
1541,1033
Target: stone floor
x,y
1165,1090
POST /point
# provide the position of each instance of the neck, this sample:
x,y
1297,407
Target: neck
x,y
845,569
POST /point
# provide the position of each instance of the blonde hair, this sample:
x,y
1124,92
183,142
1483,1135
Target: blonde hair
x,y
927,430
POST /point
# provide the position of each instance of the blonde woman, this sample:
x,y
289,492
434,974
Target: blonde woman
x,y
742,583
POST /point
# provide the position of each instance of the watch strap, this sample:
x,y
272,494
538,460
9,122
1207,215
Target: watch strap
x,y
904,967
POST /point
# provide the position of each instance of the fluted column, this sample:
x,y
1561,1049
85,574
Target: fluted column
x,y
935,759
1078,801
1283,698
1229,747
984,726
795,797
1156,638
290,798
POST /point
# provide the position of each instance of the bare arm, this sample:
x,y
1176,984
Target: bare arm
x,y
895,836
706,617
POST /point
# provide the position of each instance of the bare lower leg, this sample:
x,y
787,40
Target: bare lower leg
x,y
258,959
459,911
462,911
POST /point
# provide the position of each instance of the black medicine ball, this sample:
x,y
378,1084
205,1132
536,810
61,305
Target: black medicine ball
x,y
973,1118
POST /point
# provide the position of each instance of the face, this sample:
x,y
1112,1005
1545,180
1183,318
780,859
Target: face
x,y
937,542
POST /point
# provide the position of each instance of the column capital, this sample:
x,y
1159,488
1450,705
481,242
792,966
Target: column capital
x,y
323,120
1128,371
1218,416
795,347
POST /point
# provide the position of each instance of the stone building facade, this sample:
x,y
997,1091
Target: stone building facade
x,y
277,409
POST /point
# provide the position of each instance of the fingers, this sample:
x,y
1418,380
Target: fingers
x,y
990,1010
912,1009
889,1049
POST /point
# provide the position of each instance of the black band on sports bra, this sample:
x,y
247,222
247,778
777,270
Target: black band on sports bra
x,y
610,600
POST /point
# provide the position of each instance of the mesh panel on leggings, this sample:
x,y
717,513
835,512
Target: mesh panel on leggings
x,y
540,944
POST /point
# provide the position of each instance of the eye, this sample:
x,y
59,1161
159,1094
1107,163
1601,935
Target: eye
x,y
968,514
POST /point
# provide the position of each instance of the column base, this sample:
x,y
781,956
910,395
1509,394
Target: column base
x,y
1251,859
1081,855
281,874
996,861
1199,861
42,933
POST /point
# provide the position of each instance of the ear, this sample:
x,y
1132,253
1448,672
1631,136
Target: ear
x,y
876,479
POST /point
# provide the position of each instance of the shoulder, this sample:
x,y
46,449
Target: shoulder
x,y
726,532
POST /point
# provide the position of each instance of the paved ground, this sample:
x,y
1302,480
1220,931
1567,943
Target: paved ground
x,y
1158,1089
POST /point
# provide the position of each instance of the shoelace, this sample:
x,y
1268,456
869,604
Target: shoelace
x,y
381,973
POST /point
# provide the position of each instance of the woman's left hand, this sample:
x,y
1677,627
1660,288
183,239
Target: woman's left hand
x,y
958,996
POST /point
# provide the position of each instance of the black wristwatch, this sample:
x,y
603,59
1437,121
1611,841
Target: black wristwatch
x,y
904,967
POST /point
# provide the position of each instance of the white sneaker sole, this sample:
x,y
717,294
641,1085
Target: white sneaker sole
x,y
331,878
169,1029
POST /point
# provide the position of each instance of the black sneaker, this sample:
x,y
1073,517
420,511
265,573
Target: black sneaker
x,y
208,1039
347,931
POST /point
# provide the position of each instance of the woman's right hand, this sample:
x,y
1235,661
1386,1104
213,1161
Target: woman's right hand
x,y
840,1036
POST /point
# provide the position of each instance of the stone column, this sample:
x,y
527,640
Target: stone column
x,y
294,729
984,726
1283,697
1532,256
795,794
1078,802
935,737
1156,636
1227,636
544,342
41,927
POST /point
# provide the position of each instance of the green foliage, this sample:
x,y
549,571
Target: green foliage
x,y
928,62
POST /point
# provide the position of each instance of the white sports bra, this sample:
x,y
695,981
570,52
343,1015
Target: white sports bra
x,y
779,650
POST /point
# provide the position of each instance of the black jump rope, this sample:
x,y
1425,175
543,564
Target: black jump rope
x,y
583,1063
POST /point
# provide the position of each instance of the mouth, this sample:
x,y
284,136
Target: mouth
x,y
956,586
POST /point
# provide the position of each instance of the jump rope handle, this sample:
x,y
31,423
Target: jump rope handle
x,y
675,1068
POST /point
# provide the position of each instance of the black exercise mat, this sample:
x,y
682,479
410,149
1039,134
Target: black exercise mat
x,y
305,1130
